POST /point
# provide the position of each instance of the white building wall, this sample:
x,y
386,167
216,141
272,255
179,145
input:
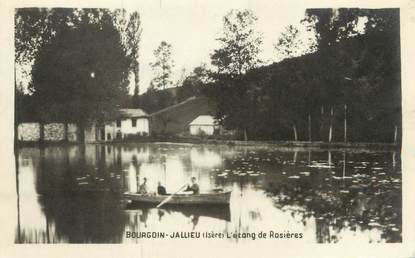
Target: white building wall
x,y
54,132
110,131
142,126
197,129
89,133
28,132
72,132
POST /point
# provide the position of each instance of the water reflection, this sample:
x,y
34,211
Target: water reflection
x,y
74,194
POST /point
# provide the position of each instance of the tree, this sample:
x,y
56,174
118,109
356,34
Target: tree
x,y
162,66
193,84
291,44
81,74
134,31
240,44
37,26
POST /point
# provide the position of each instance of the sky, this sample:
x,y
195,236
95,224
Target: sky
x,y
192,30
191,27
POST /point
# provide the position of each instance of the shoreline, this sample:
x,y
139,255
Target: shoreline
x,y
282,144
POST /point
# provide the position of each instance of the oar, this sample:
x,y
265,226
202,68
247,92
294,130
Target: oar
x,y
171,196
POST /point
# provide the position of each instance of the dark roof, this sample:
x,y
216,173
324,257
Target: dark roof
x,y
132,112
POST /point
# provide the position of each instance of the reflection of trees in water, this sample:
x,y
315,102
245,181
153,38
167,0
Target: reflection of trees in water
x,y
342,204
80,200
88,217
358,199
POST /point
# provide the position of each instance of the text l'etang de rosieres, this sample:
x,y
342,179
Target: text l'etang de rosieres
x,y
215,235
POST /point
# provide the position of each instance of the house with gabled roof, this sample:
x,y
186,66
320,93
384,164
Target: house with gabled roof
x,y
126,123
204,124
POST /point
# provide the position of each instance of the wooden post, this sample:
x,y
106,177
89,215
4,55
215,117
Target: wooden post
x,y
345,123
309,157
309,127
344,164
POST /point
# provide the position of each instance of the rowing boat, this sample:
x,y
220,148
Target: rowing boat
x,y
181,199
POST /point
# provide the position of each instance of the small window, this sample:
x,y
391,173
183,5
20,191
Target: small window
x,y
134,122
108,136
118,123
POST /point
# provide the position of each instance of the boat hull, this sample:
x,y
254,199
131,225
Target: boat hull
x,y
197,199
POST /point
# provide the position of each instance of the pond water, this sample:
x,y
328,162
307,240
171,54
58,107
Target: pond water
x,y
73,194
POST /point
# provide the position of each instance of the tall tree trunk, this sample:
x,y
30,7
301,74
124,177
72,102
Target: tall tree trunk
x,y
345,123
81,132
344,164
309,127
42,132
136,100
295,132
322,123
395,135
245,135
66,132
15,112
331,124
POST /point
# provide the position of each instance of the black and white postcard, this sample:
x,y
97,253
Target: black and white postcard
x,y
208,128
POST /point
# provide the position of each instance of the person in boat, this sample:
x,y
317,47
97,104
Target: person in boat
x,y
193,187
143,189
161,190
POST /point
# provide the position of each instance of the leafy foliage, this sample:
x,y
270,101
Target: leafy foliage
x,y
153,100
162,66
81,73
291,44
240,44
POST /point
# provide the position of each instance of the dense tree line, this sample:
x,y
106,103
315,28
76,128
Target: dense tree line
x,y
353,75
